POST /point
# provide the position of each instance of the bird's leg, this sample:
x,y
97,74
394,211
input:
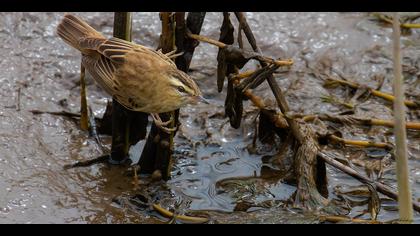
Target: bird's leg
x,y
161,124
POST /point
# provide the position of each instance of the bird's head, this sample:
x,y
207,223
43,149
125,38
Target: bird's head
x,y
184,89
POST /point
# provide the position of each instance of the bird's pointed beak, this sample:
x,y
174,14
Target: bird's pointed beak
x,y
201,99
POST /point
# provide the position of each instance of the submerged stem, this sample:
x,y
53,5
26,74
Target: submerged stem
x,y
83,101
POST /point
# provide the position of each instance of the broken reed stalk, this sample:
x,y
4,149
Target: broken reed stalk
x,y
311,173
120,123
278,118
404,188
193,23
352,120
333,100
389,20
409,25
380,187
164,151
342,219
157,152
359,143
326,157
390,123
223,45
84,119
128,127
243,75
374,92
187,219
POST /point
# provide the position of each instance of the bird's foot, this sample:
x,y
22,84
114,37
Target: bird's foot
x,y
172,54
162,124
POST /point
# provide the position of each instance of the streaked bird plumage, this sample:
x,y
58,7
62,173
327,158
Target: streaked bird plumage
x,y
140,78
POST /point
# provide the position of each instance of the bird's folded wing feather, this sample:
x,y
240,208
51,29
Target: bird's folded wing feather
x,y
111,55
116,49
92,43
99,66
102,71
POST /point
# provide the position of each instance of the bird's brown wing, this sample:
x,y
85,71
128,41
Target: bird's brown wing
x,y
111,55
116,49
99,66
91,43
102,71
102,66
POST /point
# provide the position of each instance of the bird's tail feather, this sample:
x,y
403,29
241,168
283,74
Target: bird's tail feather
x,y
73,30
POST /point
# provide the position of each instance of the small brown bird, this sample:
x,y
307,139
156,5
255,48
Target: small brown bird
x,y
138,77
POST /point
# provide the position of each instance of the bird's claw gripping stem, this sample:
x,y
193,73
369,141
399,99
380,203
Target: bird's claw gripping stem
x,y
162,124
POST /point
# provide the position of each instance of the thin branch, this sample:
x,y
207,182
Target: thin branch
x,y
259,57
309,172
374,92
354,120
389,20
278,118
190,219
359,143
341,219
380,187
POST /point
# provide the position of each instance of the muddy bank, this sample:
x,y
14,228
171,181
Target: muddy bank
x,y
213,169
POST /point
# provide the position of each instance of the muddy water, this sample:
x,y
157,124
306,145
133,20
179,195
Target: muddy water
x,y
213,169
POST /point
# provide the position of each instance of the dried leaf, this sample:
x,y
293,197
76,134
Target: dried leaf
x,y
266,129
234,106
374,205
221,69
227,37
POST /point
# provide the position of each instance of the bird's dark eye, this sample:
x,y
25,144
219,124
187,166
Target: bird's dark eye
x,y
181,89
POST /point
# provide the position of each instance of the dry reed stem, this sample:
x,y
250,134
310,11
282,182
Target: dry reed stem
x,y
330,158
219,44
386,96
341,219
359,143
168,214
278,119
360,121
404,188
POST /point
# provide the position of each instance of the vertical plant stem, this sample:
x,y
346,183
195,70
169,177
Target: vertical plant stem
x,y
120,121
174,114
187,45
84,120
128,127
157,152
164,160
404,189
